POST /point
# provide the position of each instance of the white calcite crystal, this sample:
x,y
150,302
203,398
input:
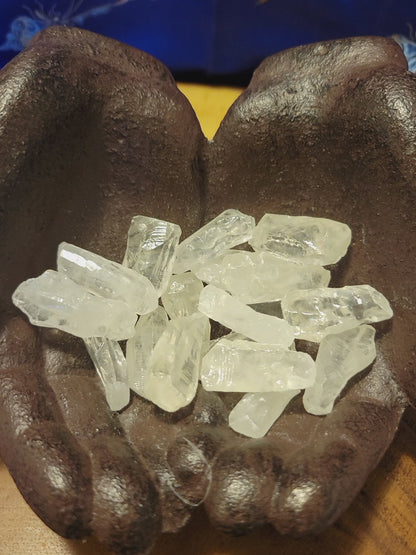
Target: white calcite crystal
x,y
173,367
255,413
107,278
151,248
53,300
169,348
258,277
232,313
182,295
247,366
315,313
148,331
340,357
110,363
302,238
227,230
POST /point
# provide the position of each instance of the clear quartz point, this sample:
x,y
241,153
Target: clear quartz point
x,y
53,300
173,369
247,366
315,313
340,357
228,229
148,330
182,295
259,277
151,248
232,313
106,278
255,413
302,238
110,363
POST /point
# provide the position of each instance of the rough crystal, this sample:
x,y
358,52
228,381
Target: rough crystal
x,y
148,331
246,366
174,364
259,277
53,300
182,295
232,313
228,229
110,363
317,312
302,238
211,270
151,248
107,278
255,413
340,357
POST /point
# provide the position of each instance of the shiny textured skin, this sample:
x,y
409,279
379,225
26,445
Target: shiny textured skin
x,y
93,132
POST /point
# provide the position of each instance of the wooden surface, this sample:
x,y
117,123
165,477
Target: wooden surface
x,y
382,519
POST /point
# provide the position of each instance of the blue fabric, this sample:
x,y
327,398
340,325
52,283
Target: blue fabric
x,y
214,36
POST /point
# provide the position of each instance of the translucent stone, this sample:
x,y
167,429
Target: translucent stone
x,y
232,336
110,363
211,270
317,312
53,300
259,277
255,413
182,295
151,247
232,313
148,330
227,230
247,366
107,278
302,238
174,364
340,357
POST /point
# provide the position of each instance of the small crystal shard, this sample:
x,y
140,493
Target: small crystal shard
x,y
255,413
53,300
151,247
302,238
227,230
317,312
148,331
110,363
182,295
232,313
107,278
259,277
173,369
340,357
246,366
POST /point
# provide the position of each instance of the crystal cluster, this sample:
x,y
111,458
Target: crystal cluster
x,y
176,288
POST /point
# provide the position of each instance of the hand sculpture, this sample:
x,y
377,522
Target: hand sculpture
x,y
93,132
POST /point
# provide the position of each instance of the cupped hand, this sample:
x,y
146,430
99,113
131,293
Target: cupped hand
x,y
93,132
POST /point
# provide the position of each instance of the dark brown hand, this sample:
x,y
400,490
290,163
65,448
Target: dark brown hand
x,y
92,133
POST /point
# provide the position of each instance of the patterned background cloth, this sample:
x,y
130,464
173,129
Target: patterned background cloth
x,y
214,37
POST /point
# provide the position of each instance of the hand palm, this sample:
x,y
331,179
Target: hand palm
x,y
102,135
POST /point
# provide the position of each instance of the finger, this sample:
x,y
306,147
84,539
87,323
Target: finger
x,y
321,479
45,461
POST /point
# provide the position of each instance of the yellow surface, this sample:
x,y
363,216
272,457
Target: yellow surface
x,y
382,520
210,104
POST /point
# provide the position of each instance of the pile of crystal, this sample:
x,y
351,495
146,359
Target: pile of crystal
x,y
268,295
